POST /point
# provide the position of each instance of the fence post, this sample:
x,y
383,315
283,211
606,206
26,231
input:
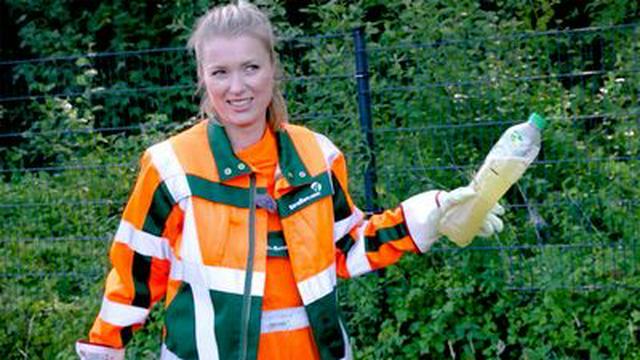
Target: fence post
x,y
366,124
364,110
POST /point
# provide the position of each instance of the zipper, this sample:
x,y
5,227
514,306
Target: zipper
x,y
246,297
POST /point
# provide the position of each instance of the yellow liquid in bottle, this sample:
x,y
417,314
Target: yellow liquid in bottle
x,y
462,223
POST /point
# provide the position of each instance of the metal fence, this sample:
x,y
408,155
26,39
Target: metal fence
x,y
574,227
425,113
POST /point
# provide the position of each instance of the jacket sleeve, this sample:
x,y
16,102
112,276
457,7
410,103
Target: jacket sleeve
x,y
363,245
140,257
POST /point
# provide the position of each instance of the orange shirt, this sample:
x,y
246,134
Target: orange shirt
x,y
280,287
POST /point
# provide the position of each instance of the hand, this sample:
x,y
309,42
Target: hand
x,y
424,211
88,351
492,223
445,200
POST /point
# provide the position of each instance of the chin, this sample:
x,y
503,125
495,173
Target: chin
x,y
240,122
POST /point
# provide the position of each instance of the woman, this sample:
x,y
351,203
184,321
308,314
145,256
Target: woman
x,y
243,222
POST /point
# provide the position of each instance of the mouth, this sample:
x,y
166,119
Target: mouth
x,y
240,103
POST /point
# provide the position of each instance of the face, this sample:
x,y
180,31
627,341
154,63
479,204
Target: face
x,y
239,80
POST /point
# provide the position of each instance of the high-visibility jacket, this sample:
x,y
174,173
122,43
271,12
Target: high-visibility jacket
x,y
195,232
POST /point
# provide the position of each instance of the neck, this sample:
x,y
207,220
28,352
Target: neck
x,y
243,137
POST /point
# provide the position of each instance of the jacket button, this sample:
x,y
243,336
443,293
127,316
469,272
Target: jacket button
x,y
241,166
302,174
227,171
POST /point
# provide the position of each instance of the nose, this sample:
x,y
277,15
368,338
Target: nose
x,y
236,83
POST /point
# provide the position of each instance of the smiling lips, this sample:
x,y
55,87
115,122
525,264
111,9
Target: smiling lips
x,y
240,104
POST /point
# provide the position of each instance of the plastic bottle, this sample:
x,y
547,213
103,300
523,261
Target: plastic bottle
x,y
504,165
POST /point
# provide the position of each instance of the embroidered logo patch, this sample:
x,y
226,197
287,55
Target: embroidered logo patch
x,y
316,186
305,195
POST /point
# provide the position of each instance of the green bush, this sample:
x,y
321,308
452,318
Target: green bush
x,y
446,78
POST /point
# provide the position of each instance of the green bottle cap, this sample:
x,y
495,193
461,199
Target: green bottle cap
x,y
537,120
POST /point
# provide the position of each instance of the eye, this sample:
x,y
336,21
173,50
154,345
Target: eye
x,y
252,68
218,73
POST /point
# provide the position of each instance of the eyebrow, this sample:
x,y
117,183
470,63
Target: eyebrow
x,y
215,65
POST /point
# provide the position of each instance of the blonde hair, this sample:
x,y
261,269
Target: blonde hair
x,y
240,18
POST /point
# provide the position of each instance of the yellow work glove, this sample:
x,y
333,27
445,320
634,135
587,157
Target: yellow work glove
x,y
87,351
424,211
492,223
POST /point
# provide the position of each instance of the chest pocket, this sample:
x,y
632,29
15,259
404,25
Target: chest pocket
x,y
220,216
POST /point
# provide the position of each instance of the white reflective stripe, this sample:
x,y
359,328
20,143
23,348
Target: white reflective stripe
x,y
348,355
421,215
329,150
120,314
318,285
171,172
166,354
88,351
190,246
357,262
205,319
142,242
342,227
284,320
216,278
183,203
178,187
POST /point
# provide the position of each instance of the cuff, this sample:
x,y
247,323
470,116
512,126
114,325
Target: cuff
x,y
421,214
88,351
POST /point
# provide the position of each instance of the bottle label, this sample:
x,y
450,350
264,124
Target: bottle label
x,y
516,138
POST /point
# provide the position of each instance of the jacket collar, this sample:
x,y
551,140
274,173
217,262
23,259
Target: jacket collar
x,y
230,166
291,165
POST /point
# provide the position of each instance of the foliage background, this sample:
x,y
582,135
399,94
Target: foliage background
x,y
447,77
